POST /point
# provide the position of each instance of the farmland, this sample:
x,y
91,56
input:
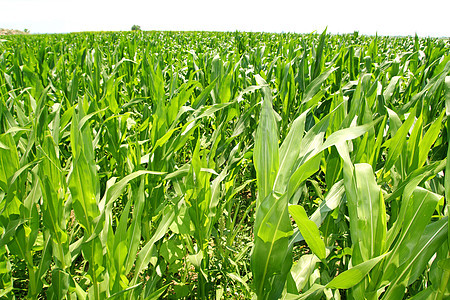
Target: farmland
x,y
199,165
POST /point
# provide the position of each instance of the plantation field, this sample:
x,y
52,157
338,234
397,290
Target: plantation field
x,y
199,165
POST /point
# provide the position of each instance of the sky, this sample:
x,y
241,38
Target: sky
x,y
383,17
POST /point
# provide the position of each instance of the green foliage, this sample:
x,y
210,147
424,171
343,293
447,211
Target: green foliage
x,y
135,28
224,165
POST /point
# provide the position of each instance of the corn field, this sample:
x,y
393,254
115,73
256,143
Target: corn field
x,y
200,165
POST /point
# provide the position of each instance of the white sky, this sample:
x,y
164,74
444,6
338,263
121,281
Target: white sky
x,y
385,17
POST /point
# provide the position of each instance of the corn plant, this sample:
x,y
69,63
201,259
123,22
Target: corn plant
x,y
147,165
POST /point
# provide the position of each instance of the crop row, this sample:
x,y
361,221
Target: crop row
x,y
141,165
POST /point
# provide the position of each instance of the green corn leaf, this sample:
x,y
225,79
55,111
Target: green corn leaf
x,y
289,152
428,140
9,231
22,171
447,95
414,216
158,293
389,91
129,289
60,284
271,257
318,61
116,189
348,134
431,239
309,230
397,142
265,153
353,276
83,183
144,255
422,174
9,160
366,209
81,186
447,168
302,270
302,173
119,250
314,292
314,86
332,200
428,293
134,231
202,98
